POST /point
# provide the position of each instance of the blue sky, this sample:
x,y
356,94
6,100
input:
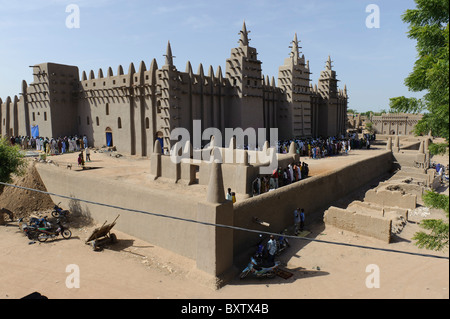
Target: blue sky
x,y
373,63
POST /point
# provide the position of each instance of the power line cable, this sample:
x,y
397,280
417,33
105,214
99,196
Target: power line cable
x,y
227,226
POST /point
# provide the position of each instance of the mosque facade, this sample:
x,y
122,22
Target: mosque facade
x,y
134,109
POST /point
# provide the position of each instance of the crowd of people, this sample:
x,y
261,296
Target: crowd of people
x,y
312,148
280,177
324,147
51,146
55,146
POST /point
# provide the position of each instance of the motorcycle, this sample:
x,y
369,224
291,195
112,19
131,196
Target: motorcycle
x,y
45,233
58,212
40,222
29,230
259,271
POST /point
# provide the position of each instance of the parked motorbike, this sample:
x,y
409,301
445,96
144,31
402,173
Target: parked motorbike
x,y
40,222
45,233
58,212
29,230
259,270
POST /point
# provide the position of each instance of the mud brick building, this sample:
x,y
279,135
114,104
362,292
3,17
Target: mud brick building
x,y
132,110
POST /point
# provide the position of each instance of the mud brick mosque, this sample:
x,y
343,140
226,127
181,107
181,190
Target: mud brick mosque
x,y
132,110
137,111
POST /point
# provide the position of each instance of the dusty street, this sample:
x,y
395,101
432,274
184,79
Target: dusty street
x,y
135,269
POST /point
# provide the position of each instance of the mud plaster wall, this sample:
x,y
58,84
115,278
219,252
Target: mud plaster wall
x,y
276,207
371,207
407,158
411,145
373,226
179,237
314,194
391,198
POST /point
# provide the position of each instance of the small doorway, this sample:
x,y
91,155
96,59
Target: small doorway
x,y
109,137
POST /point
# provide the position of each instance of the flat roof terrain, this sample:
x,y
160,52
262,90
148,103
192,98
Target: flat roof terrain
x,y
136,170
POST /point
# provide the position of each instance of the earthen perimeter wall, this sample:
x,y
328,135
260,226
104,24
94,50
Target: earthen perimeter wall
x,y
276,207
314,194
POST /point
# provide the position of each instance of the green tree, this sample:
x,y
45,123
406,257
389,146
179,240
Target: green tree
x,y
428,25
12,161
367,113
438,148
370,128
437,237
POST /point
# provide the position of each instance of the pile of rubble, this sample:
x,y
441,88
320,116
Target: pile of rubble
x,y
385,209
23,203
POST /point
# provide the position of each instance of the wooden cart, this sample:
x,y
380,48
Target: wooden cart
x,y
101,236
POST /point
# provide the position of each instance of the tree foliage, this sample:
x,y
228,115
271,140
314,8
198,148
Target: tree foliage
x,y
438,148
435,200
12,162
437,236
370,128
428,25
436,239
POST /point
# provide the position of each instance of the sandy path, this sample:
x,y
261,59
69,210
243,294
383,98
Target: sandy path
x,y
136,269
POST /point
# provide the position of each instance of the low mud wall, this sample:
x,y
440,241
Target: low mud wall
x,y
177,236
360,223
314,194
391,198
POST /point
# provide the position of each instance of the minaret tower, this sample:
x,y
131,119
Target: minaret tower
x,y
167,102
334,109
243,70
328,81
294,79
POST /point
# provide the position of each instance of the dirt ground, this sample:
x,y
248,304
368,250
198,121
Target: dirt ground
x,y
134,269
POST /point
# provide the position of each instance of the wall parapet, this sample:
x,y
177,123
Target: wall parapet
x,y
314,194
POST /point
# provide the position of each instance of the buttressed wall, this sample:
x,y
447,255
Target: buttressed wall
x,y
213,249
143,104
313,194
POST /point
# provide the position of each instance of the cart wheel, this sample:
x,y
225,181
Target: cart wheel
x,y
113,238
